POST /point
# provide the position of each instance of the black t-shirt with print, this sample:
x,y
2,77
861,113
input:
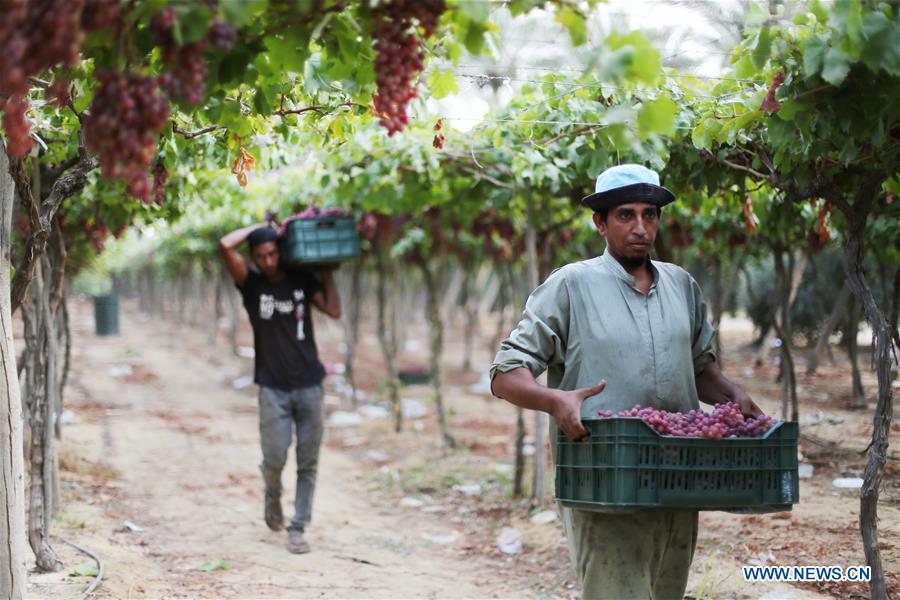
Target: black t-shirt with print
x,y
286,354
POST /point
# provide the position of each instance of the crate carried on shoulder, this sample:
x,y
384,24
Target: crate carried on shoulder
x,y
319,236
625,464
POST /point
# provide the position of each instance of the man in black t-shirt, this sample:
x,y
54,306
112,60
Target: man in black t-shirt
x,y
287,366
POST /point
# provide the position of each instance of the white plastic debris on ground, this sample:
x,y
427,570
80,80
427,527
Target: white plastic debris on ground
x,y
544,517
443,537
377,456
805,471
848,483
343,418
468,489
373,411
132,527
242,382
68,417
817,416
509,541
246,352
413,409
410,502
120,371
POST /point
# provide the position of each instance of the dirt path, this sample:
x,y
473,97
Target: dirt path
x,y
162,439
156,434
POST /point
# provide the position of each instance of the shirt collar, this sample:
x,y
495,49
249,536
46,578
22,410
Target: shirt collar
x,y
619,271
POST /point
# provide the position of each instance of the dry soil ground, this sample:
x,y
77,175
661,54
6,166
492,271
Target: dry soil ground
x,y
160,433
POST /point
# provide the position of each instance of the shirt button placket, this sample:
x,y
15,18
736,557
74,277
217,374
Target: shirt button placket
x,y
651,341
661,358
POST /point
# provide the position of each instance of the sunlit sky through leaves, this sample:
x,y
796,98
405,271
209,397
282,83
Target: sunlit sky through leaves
x,y
691,35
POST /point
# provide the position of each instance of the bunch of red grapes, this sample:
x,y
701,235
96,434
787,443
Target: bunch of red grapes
x,y
160,177
186,76
127,114
367,226
98,14
36,35
97,233
400,58
725,421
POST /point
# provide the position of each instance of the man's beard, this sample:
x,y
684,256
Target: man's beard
x,y
630,262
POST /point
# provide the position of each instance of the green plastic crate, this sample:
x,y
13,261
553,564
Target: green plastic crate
x,y
410,377
319,240
625,464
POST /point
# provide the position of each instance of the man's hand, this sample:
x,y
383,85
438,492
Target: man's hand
x,y
567,411
714,388
748,406
235,264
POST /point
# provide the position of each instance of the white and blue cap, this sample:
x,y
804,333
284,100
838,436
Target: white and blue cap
x,y
623,184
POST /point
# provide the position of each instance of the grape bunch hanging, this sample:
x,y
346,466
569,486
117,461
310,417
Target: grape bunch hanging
x,y
34,36
127,114
400,26
128,111
186,75
725,421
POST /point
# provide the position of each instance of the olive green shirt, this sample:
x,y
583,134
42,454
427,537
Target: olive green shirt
x,y
588,321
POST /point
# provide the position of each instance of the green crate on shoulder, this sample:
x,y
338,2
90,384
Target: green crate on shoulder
x,y
625,464
320,240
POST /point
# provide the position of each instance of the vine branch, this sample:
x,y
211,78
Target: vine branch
x,y
753,172
41,214
487,177
189,135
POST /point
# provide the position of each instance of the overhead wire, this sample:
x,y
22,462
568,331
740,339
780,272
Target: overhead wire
x,y
662,55
603,86
583,68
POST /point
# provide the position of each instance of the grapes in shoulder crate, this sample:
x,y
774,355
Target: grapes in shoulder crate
x,y
319,236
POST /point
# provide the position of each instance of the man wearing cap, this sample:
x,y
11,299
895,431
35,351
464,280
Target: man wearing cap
x,y
287,367
612,332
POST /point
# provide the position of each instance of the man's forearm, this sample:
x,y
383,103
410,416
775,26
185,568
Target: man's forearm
x,y
713,387
331,296
234,239
519,387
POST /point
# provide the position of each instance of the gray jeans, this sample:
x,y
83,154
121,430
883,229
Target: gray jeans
x,y
279,412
